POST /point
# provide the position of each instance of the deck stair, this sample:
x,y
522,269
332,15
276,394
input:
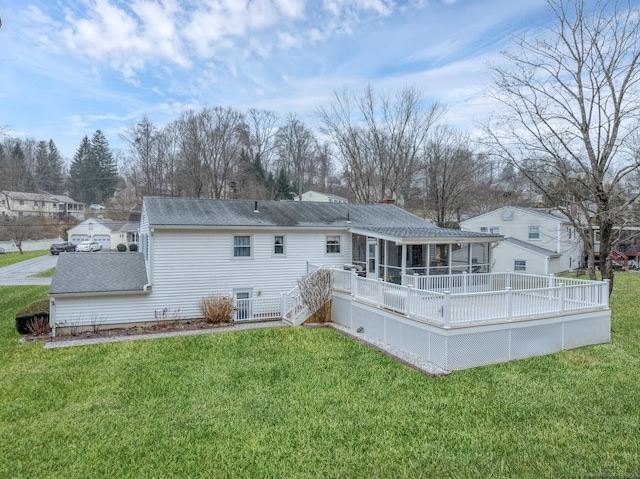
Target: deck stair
x,y
619,258
295,312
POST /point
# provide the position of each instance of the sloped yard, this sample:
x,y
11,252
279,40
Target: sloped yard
x,y
298,402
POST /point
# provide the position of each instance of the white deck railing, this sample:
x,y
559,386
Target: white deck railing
x,y
465,299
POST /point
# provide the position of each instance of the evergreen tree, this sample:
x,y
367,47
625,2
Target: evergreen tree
x,y
15,174
92,176
56,170
78,183
107,174
49,176
283,187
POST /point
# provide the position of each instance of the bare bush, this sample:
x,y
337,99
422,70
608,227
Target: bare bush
x,y
39,326
167,317
315,291
217,308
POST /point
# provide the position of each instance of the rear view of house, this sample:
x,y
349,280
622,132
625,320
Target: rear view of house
x,y
191,248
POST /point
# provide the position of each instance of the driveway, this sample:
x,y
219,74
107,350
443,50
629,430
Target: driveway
x,y
19,274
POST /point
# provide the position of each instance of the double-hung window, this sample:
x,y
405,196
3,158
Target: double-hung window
x,y
333,243
278,244
495,230
242,246
519,265
534,232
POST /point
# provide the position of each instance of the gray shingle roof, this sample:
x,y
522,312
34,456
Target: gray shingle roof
x,y
425,232
99,273
384,218
534,248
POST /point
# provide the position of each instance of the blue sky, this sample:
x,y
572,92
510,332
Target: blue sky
x,y
69,67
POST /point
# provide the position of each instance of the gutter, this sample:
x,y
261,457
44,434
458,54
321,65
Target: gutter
x,y
102,293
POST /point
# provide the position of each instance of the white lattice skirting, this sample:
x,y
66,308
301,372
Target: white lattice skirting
x,y
474,345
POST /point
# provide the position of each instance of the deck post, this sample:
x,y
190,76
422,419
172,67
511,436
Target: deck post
x,y
446,310
352,283
509,302
283,306
380,295
407,306
465,280
605,293
561,296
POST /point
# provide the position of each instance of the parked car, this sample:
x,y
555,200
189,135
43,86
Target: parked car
x,y
89,246
57,248
96,206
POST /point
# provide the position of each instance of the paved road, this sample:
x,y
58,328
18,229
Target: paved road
x,y
19,274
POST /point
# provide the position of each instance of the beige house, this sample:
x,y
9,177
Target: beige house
x,y
16,203
107,232
320,197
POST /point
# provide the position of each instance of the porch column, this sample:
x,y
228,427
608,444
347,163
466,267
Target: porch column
x,y
403,265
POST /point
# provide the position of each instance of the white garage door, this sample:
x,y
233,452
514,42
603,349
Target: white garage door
x,y
77,239
104,240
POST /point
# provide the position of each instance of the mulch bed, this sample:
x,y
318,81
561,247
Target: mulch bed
x,y
168,327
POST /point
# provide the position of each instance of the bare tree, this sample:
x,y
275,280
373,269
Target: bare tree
x,y
21,229
149,158
260,137
449,170
297,148
379,138
570,103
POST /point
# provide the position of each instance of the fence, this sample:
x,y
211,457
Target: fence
x,y
467,299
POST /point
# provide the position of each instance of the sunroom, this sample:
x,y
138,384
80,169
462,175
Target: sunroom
x,y
391,253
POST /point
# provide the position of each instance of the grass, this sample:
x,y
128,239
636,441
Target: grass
x,y
298,402
45,274
8,259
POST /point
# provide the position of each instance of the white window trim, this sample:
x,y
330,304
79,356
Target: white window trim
x,y
516,270
233,247
284,245
326,244
498,228
529,233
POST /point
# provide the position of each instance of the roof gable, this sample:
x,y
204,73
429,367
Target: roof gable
x,y
522,210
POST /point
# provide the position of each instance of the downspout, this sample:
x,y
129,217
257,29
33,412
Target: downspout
x,y
546,265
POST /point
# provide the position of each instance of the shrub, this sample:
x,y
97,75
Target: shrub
x,y
217,308
39,326
133,247
32,317
315,291
121,247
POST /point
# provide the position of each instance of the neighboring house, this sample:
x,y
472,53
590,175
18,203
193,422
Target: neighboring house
x,y
321,197
191,248
536,241
104,231
15,203
107,232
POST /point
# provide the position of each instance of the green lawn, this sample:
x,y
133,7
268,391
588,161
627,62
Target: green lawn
x,y
298,402
46,274
7,259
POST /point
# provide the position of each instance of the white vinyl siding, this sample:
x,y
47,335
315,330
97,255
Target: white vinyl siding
x,y
182,276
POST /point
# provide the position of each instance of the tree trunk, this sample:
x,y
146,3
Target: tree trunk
x,y
606,264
